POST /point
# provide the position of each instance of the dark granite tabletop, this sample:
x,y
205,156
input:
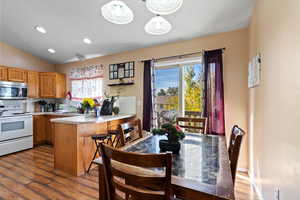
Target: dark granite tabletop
x,y
202,164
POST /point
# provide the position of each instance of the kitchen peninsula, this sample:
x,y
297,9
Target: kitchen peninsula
x,y
73,146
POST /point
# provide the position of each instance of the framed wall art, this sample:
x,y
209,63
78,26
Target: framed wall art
x,y
121,70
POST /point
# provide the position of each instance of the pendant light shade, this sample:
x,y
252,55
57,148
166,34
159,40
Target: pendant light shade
x,y
158,26
163,7
117,12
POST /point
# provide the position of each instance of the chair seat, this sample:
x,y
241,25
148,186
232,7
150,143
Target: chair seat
x,y
134,170
100,137
113,132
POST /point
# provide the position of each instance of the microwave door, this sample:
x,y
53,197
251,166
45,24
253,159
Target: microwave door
x,y
9,92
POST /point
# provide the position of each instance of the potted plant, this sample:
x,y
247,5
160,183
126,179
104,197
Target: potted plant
x,y
174,135
116,110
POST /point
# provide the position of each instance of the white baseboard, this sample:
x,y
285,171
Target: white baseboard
x,y
257,190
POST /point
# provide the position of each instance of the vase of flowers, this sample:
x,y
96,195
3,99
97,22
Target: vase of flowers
x,y
174,135
87,106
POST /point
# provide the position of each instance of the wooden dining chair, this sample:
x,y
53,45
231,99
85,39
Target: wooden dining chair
x,y
129,132
188,123
128,175
234,148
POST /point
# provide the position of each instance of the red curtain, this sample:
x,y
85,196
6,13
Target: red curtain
x,y
214,92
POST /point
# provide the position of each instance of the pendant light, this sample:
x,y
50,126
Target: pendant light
x,y
163,7
117,12
158,26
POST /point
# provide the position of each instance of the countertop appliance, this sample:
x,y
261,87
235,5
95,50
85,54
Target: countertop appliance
x,y
107,107
16,127
13,90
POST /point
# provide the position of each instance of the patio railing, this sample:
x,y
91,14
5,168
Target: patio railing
x,y
165,116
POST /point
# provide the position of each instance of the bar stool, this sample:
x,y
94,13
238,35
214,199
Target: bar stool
x,y
114,137
98,139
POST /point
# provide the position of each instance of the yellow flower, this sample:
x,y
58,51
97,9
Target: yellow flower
x,y
88,101
91,102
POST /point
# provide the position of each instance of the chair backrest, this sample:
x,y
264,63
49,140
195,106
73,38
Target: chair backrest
x,y
192,123
130,131
234,148
132,174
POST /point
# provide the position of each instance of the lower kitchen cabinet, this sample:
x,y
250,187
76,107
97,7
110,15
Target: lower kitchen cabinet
x,y
43,129
39,130
49,137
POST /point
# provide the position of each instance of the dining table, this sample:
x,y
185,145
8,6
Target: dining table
x,y
200,171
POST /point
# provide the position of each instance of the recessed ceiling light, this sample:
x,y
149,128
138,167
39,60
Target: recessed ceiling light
x,y
40,29
87,40
51,50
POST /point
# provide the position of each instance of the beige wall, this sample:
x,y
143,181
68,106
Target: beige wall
x,y
235,72
13,57
274,110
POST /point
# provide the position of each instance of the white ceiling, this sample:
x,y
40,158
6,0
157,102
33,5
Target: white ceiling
x,y
68,21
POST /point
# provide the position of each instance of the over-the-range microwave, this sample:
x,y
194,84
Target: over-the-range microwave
x,y
13,90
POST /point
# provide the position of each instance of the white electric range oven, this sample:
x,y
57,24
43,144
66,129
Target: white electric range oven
x,y
16,127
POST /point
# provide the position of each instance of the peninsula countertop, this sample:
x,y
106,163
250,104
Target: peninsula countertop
x,y
74,147
85,120
64,114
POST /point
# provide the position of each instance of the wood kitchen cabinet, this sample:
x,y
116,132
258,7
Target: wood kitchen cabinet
x,y
49,132
39,130
43,129
40,84
33,80
16,74
50,128
3,73
52,85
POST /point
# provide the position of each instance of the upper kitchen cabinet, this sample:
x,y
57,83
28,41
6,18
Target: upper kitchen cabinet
x,y
16,74
3,73
52,85
33,80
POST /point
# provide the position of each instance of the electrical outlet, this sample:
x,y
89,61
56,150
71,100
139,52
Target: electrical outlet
x,y
277,194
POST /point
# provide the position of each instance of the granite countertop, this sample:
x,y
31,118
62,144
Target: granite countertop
x,y
71,114
83,120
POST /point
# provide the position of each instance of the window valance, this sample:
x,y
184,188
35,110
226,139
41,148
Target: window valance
x,y
88,72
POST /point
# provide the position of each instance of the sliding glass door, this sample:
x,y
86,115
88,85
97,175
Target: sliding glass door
x,y
179,90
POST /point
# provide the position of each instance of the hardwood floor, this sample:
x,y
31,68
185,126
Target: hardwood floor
x,y
29,175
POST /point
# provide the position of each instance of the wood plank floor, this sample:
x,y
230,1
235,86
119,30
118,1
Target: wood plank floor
x,y
29,175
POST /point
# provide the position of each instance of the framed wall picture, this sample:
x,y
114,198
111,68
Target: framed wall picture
x,y
115,75
121,70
